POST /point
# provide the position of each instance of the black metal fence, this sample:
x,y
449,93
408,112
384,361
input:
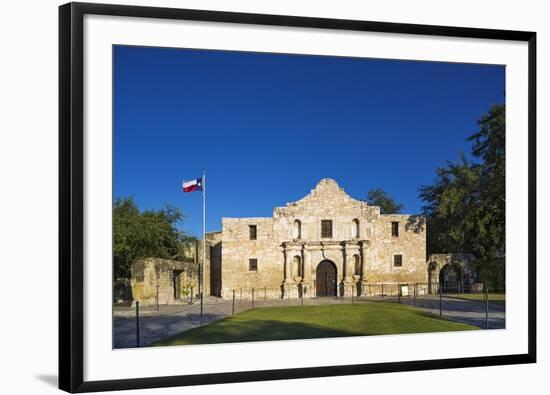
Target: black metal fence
x,y
437,298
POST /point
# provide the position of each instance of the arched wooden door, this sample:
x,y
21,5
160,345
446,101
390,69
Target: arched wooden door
x,y
326,279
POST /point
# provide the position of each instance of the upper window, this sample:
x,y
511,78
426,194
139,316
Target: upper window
x,y
297,229
395,229
398,260
252,232
326,228
355,229
253,264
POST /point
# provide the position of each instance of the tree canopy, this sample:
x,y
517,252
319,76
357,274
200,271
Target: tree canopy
x,y
465,205
379,197
139,234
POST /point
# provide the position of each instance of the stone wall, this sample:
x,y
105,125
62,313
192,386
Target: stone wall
x,y
214,263
168,280
236,251
463,264
410,244
290,246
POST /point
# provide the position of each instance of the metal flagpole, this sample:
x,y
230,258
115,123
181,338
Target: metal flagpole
x,y
203,231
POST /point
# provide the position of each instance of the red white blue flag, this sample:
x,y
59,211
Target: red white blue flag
x,y
193,185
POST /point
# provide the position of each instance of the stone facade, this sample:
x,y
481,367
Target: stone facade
x,y
325,244
282,255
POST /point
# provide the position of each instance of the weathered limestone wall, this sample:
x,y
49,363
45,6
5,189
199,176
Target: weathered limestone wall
x,y
237,249
214,263
352,222
290,246
410,244
463,263
173,280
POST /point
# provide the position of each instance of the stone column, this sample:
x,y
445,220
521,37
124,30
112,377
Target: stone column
x,y
364,267
348,262
287,278
306,271
287,283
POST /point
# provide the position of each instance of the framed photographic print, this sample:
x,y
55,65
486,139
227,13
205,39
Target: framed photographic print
x,y
300,196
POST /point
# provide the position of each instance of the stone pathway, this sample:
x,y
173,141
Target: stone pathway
x,y
171,320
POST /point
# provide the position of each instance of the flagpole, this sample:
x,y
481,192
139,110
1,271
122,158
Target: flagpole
x,y
203,232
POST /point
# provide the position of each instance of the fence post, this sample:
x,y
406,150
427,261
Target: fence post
x,y
252,297
202,300
414,293
157,298
440,300
137,324
398,292
202,305
486,306
302,297
352,296
233,305
191,295
382,292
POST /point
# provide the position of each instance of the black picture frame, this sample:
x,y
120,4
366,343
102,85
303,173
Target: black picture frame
x,y
71,205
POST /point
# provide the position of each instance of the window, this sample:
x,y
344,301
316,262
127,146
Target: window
x,y
252,232
398,260
297,229
395,229
355,229
326,228
253,265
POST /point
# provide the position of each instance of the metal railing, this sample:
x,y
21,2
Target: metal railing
x,y
434,297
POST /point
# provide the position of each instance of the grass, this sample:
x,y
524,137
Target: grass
x,y
493,297
307,322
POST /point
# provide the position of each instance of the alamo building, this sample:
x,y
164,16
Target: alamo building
x,y
325,244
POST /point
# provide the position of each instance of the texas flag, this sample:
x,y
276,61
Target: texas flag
x,y
193,185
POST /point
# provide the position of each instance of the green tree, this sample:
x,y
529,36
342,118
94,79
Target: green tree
x,y
379,197
465,206
137,234
450,207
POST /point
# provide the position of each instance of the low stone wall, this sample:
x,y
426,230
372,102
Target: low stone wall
x,y
165,280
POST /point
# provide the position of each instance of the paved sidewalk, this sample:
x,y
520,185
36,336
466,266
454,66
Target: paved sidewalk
x,y
470,312
171,320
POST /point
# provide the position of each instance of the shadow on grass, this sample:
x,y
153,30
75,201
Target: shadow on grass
x,y
231,331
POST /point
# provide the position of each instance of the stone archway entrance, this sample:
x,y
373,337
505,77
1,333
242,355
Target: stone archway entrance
x,y
450,278
325,283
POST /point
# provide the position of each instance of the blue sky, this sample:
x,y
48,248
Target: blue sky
x,y
267,127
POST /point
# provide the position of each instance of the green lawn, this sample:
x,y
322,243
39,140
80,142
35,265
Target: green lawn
x,y
493,297
286,323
